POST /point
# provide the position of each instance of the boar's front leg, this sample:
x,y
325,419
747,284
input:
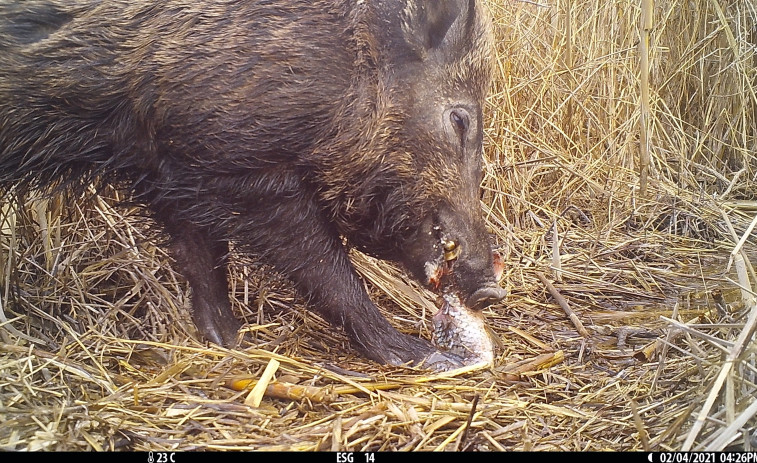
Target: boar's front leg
x,y
296,238
203,262
337,293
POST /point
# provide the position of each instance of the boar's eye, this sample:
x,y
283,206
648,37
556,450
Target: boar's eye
x,y
460,121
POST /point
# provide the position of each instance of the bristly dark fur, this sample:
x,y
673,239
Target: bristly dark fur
x,y
279,125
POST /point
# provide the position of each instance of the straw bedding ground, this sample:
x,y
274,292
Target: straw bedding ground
x,y
643,341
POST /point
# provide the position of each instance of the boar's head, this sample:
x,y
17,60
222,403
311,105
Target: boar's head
x,y
404,178
451,247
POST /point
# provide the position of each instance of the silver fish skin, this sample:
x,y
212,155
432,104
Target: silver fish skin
x,y
461,331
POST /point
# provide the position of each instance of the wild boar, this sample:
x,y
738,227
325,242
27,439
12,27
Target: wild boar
x,y
293,129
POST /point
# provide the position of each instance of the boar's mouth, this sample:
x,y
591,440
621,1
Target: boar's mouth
x,y
464,265
441,277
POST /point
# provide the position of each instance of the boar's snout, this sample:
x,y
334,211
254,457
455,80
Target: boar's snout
x,y
485,297
491,294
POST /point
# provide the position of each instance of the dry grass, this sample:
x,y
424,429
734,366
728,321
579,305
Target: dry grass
x,y
97,350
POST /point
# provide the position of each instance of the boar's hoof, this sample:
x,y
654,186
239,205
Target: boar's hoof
x,y
397,349
442,361
221,331
485,297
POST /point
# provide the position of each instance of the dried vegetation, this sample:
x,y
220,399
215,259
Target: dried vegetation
x,y
621,195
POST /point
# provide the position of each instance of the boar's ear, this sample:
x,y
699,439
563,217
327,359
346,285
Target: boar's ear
x,y
431,24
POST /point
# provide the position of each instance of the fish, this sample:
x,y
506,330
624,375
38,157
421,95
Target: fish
x,y
460,332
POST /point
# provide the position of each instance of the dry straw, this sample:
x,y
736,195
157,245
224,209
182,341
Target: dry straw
x,y
97,350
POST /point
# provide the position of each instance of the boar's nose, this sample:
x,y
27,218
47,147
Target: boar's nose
x,y
486,296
